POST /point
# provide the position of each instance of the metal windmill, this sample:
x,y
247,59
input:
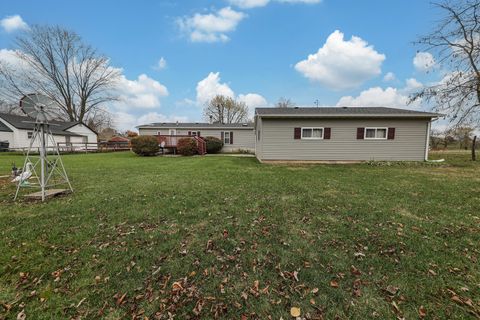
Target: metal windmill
x,y
45,168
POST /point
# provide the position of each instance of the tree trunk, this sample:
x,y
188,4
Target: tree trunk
x,y
474,142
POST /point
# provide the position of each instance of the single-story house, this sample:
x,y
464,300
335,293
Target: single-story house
x,y
235,136
18,130
342,134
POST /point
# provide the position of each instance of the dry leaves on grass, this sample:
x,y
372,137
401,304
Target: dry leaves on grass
x,y
295,312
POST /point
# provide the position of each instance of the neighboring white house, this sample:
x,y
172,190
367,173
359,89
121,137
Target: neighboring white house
x,y
18,130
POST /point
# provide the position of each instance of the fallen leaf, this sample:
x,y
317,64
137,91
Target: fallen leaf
x,y
355,271
314,290
392,290
312,301
456,299
21,315
295,275
432,272
395,306
334,284
295,312
120,300
422,312
177,286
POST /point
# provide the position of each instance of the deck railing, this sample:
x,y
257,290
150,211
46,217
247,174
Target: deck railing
x,y
171,142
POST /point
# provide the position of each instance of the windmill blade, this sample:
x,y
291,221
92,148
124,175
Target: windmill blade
x,y
40,107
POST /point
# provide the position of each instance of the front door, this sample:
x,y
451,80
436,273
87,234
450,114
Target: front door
x,y
173,132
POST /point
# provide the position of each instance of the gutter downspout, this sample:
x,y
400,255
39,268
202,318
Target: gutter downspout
x,y
427,142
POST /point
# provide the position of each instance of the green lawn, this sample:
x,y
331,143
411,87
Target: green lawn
x,y
226,237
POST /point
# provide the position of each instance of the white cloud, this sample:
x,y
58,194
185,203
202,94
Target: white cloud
x,y
389,97
390,76
412,85
144,92
211,27
13,23
211,86
248,4
253,100
423,61
341,64
126,121
161,64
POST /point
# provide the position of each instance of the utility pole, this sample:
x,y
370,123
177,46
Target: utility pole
x,y
316,102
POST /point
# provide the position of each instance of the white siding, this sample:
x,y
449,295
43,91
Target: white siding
x,y
83,130
6,136
243,139
278,143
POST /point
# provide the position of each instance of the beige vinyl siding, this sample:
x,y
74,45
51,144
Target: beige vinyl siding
x,y
278,143
243,139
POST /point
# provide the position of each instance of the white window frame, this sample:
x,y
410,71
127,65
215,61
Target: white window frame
x,y
376,130
312,138
225,137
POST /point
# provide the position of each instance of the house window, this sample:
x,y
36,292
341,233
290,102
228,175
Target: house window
x,y
159,133
67,139
376,133
85,139
226,137
29,135
312,133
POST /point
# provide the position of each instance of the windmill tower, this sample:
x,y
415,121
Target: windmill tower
x,y
46,168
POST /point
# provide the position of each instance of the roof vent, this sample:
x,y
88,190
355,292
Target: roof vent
x,y
177,122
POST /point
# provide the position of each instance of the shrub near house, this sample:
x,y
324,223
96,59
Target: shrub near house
x,y
145,145
214,145
187,147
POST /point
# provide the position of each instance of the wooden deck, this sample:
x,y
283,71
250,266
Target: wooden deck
x,y
171,141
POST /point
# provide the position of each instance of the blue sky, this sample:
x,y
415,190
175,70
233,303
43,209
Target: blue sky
x,y
254,50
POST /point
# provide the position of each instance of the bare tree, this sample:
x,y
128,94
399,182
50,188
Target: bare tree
x,y
6,107
455,42
284,103
56,62
463,135
222,109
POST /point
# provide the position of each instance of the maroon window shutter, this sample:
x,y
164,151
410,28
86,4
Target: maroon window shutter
x,y
360,133
391,134
231,137
297,133
189,133
223,136
327,133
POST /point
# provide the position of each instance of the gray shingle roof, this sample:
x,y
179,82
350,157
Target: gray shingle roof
x,y
27,123
4,128
195,125
344,112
